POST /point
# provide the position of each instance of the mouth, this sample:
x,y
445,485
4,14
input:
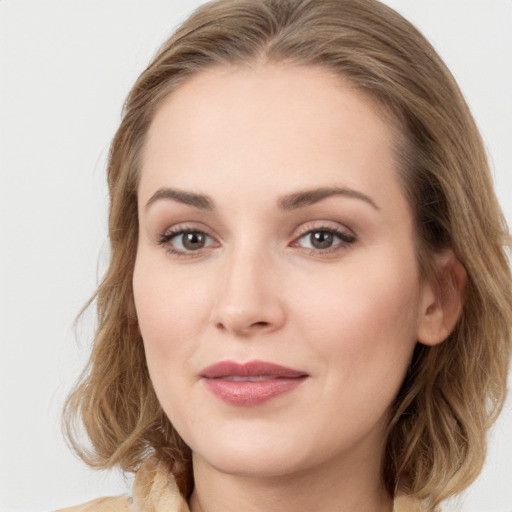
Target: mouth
x,y
251,383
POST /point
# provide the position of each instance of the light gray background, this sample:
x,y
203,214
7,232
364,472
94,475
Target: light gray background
x,y
65,68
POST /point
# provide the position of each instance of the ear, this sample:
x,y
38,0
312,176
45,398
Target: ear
x,y
442,300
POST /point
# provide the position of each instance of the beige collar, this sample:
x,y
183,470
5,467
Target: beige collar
x,y
155,490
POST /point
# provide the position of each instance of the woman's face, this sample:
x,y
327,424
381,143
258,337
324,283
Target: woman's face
x,y
276,281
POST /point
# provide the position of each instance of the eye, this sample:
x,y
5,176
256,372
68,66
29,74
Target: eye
x,y
186,241
325,240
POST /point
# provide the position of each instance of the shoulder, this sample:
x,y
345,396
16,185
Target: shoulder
x,y
120,504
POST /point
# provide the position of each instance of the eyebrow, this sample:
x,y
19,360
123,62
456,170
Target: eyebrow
x,y
200,201
309,197
288,202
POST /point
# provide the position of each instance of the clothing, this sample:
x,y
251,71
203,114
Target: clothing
x,y
155,490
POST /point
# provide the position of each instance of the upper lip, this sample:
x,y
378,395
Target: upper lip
x,y
250,369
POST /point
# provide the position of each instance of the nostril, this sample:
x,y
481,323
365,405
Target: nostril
x,y
260,324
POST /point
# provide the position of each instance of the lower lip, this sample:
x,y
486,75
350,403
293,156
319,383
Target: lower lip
x,y
246,393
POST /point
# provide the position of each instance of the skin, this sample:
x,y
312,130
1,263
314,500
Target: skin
x,y
259,289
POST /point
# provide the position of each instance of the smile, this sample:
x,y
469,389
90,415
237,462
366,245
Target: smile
x,y
252,383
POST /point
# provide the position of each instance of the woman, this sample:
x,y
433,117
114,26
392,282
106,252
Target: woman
x,y
308,304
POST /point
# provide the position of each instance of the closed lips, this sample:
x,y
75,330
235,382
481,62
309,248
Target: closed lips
x,y
259,370
235,378
250,384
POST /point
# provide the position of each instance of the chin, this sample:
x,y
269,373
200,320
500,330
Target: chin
x,y
253,456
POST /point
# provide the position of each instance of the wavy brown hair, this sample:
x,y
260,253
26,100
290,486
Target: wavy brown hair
x,y
453,391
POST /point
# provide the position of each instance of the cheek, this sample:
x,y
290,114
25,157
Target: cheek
x,y
170,308
364,317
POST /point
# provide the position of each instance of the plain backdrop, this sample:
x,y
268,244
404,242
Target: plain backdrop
x,y
65,68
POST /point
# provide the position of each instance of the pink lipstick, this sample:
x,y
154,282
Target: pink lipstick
x,y
251,383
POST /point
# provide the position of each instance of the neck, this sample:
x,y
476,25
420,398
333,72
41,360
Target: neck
x,y
322,489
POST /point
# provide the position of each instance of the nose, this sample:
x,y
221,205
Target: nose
x,y
248,299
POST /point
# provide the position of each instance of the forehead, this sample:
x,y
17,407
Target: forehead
x,y
266,94
272,126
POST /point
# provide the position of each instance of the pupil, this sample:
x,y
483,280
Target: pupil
x,y
321,239
193,240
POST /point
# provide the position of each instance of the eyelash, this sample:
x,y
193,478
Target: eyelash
x,y
346,240
166,238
